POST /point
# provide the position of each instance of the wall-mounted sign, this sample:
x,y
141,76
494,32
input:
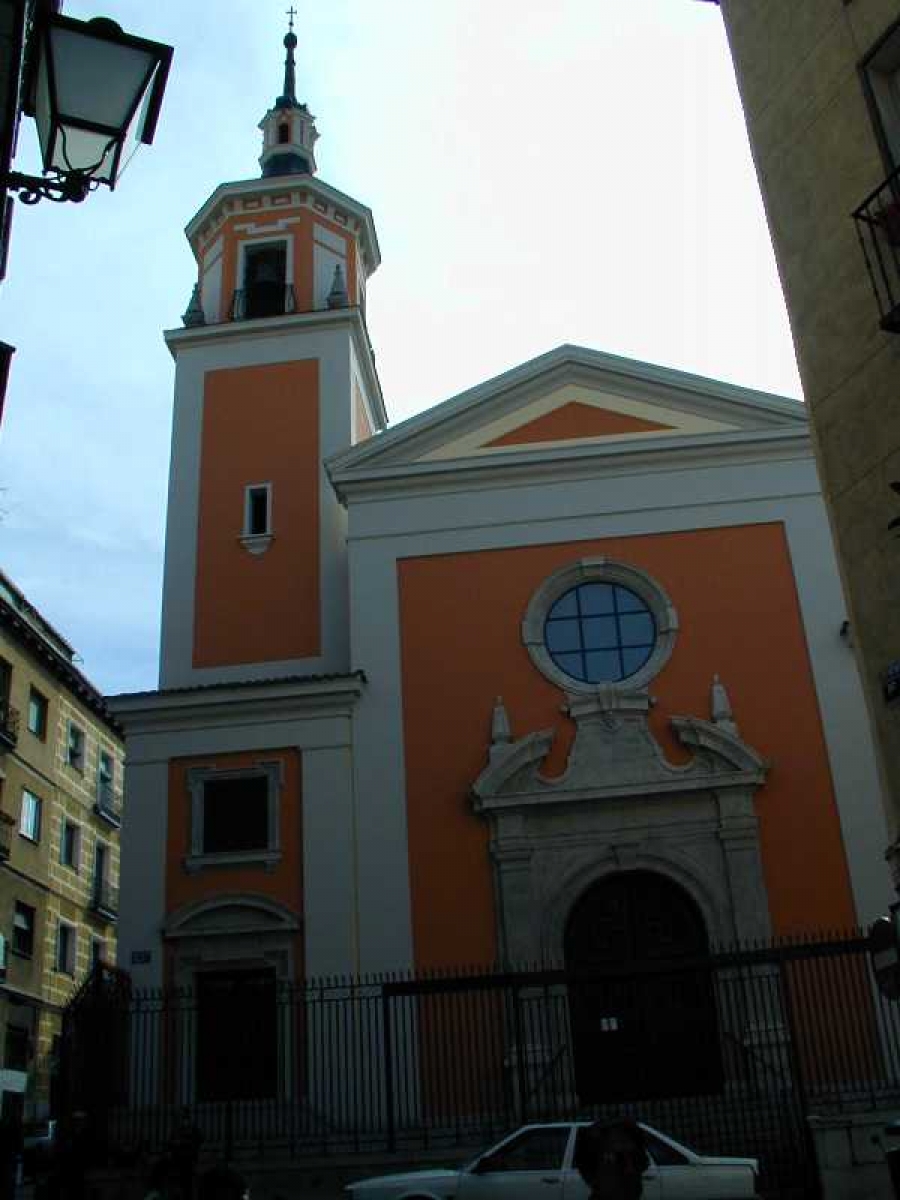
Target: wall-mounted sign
x,y
890,681
140,958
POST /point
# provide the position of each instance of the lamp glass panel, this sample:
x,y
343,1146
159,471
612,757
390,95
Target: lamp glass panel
x,y
97,81
43,116
80,150
135,132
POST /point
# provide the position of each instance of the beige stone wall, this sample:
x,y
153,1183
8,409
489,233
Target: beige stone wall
x,y
34,874
817,158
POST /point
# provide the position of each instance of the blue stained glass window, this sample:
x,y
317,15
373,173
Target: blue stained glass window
x,y
599,632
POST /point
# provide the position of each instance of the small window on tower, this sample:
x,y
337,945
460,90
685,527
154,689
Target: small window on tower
x,y
284,133
257,506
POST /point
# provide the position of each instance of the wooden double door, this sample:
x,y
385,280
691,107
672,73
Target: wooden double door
x,y
642,1025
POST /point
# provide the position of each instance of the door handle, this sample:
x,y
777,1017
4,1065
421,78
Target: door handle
x,y
550,1179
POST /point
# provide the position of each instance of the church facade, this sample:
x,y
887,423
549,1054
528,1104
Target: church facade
x,y
552,672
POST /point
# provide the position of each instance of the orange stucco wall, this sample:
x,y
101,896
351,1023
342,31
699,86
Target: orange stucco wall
x,y
283,883
260,424
739,617
575,420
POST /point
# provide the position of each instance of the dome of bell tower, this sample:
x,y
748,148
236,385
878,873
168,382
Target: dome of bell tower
x,y
288,128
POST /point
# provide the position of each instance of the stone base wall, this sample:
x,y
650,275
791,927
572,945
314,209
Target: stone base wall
x,y
850,1152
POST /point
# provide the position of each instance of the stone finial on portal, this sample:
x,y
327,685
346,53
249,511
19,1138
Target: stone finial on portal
x,y
720,707
501,734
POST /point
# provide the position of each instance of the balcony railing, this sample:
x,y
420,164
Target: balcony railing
x,y
878,228
262,300
7,825
108,805
104,899
9,725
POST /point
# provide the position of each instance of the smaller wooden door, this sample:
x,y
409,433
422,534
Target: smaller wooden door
x,y
236,1035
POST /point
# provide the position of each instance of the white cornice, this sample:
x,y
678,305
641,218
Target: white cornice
x,y
175,710
459,414
576,461
230,332
281,183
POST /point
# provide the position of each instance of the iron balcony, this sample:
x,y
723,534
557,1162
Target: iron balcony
x,y
104,900
108,805
878,229
262,300
9,725
7,825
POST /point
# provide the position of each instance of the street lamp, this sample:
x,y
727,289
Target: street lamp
x,y
95,94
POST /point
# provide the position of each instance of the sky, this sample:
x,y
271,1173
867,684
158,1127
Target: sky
x,y
538,175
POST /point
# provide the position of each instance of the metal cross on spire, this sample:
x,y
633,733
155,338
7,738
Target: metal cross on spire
x,y
288,98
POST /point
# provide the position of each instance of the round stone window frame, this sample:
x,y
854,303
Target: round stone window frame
x,y
600,570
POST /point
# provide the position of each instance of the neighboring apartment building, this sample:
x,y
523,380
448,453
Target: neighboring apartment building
x,y
61,770
820,85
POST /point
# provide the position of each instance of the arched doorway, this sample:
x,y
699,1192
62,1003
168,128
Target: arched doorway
x,y
641,1027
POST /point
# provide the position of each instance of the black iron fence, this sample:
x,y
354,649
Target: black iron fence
x,y
765,1036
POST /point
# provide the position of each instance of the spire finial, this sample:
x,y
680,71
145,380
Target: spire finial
x,y
288,98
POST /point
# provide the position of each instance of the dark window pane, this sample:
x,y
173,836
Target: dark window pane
x,y
235,814
603,666
615,631
572,664
37,714
638,629
23,930
562,635
565,606
634,659
595,598
259,510
534,1150
17,1054
600,633
627,601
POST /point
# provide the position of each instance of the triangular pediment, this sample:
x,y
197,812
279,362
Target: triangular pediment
x,y
571,400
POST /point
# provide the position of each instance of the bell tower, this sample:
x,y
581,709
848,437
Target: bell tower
x,y
273,374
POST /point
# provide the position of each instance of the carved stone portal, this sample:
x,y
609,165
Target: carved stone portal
x,y
620,805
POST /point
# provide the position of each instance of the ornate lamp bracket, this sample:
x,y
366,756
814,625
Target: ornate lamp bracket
x,y
60,187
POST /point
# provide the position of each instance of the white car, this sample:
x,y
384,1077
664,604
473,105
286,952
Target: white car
x,y
535,1163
